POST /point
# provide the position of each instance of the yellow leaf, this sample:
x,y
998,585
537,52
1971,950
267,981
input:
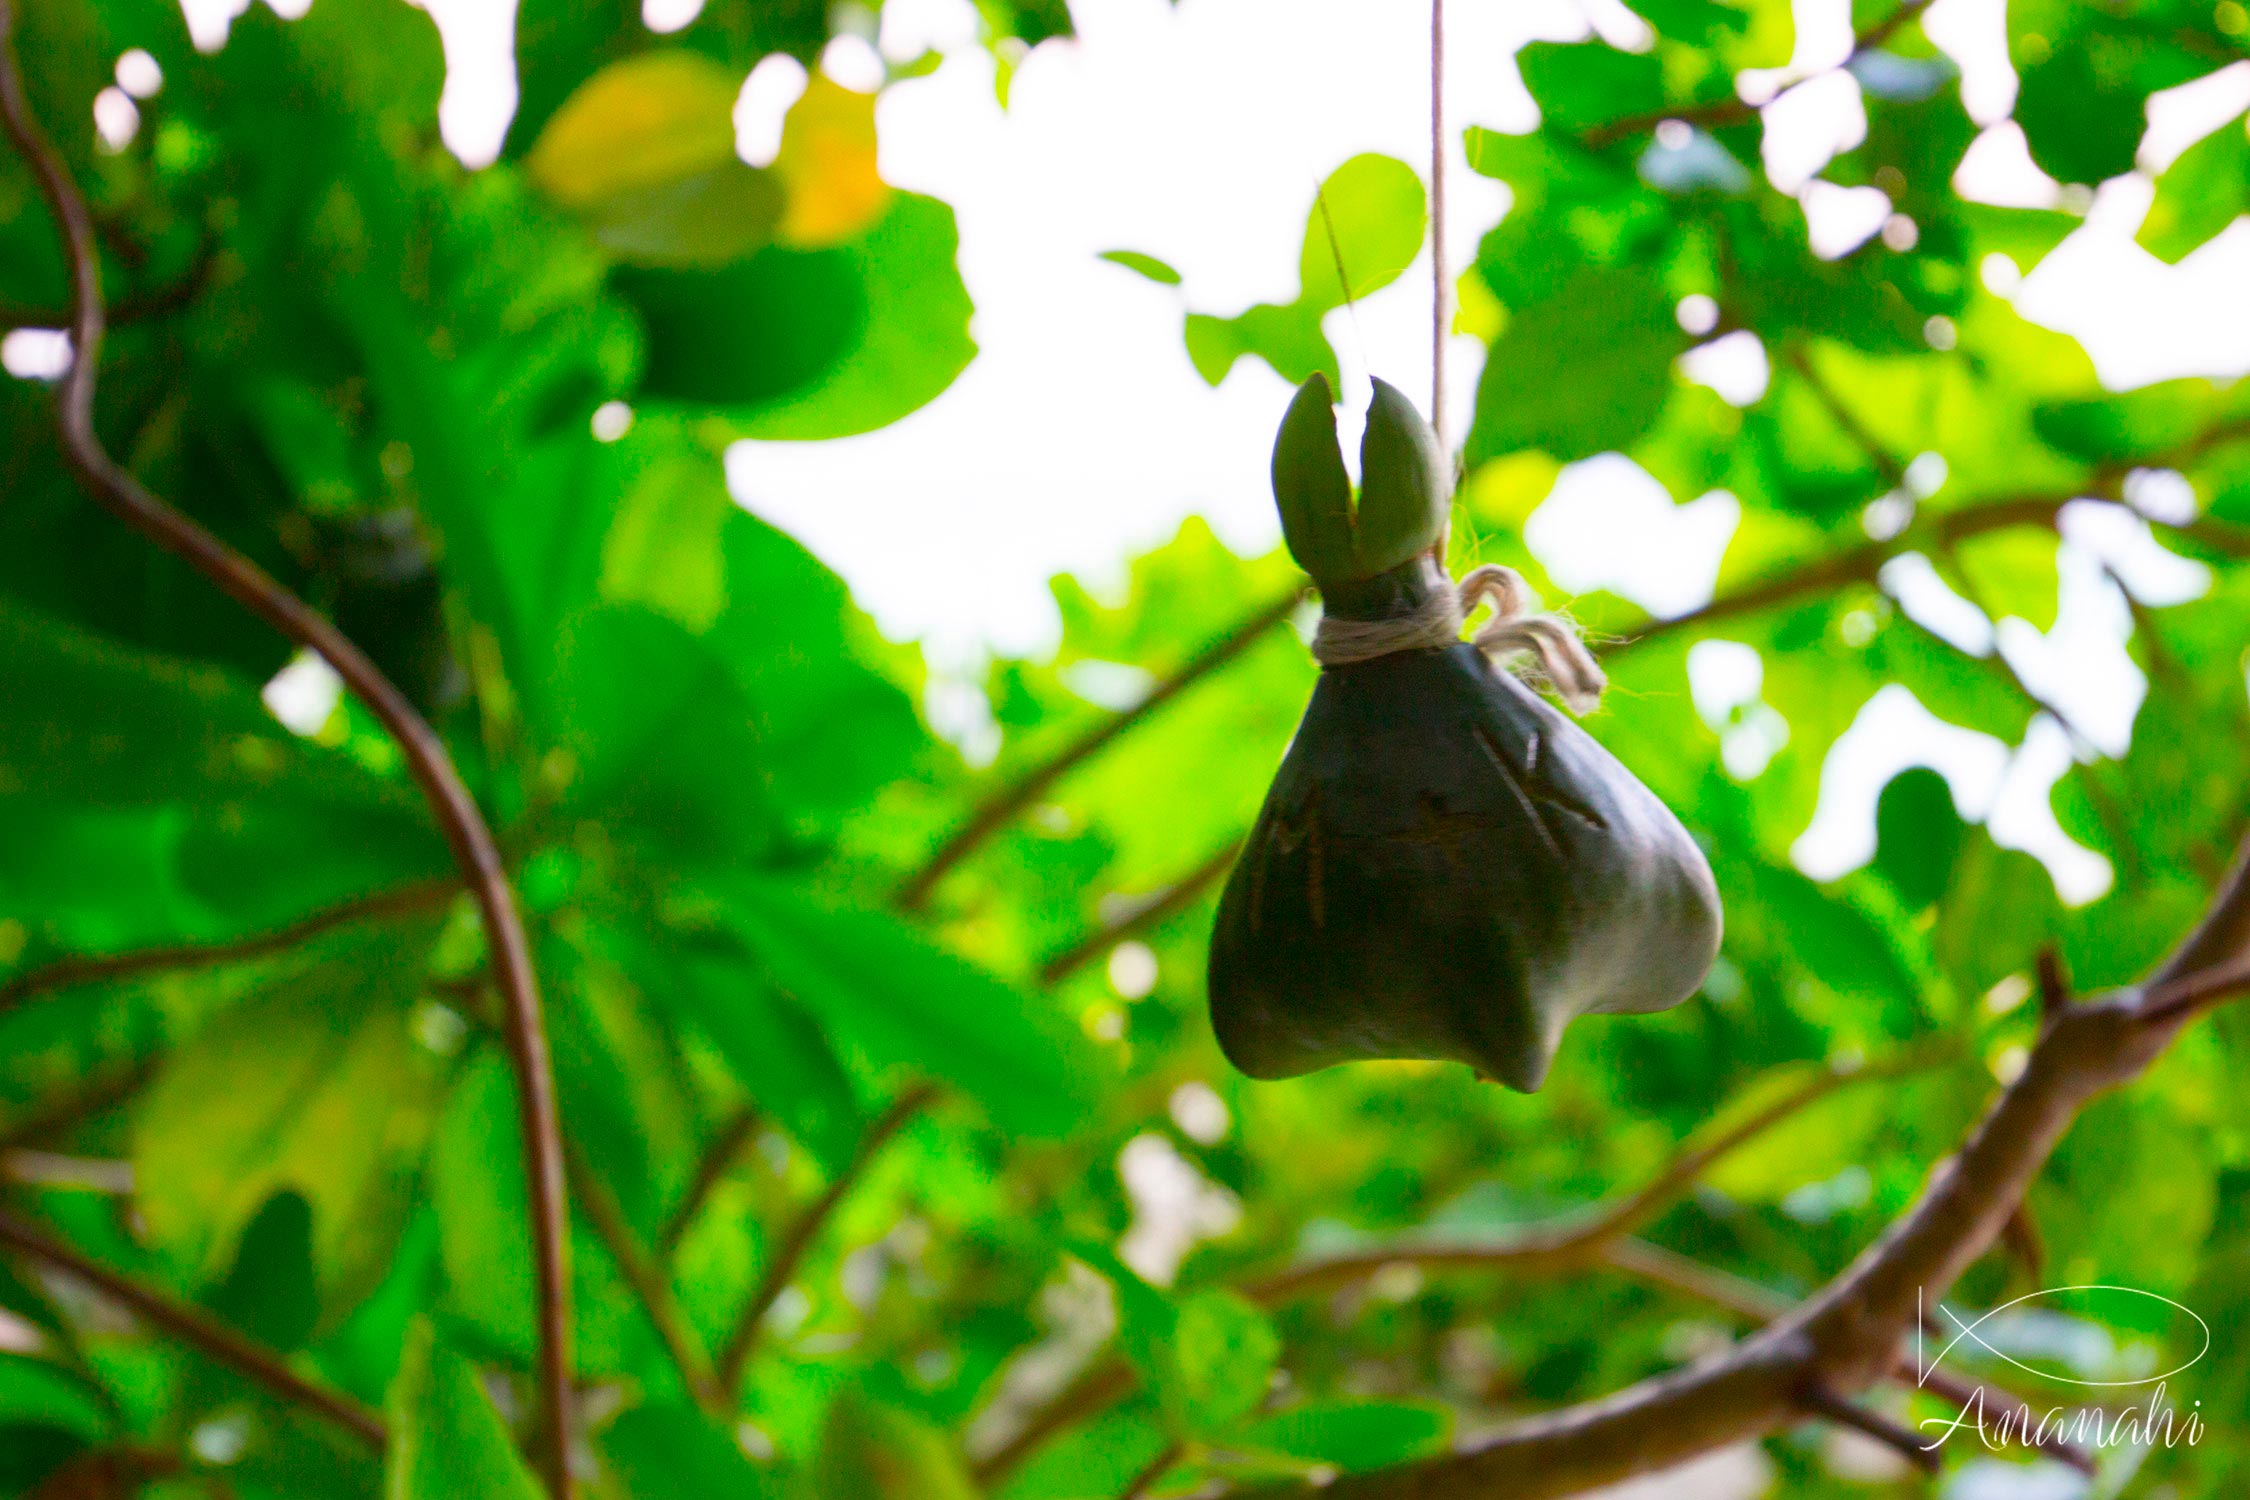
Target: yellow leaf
x,y
827,166
645,122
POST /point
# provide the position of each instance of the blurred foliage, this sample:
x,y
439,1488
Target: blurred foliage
x,y
480,416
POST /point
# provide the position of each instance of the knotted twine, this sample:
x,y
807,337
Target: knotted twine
x,y
1518,629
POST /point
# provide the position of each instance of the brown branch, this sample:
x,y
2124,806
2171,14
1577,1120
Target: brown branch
x,y
710,1170
194,1327
651,1285
141,307
65,973
1095,1389
1156,1468
734,1359
1824,1402
1734,110
1150,911
86,1098
1002,805
1554,1249
1848,1335
1847,421
1579,1239
425,754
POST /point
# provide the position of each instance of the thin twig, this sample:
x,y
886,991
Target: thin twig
x,y
1156,1468
1002,805
1847,421
649,1281
65,973
2054,981
194,1327
1579,1239
1437,226
1151,911
425,754
1549,1249
710,1170
140,307
86,1098
734,1359
1733,109
1826,1403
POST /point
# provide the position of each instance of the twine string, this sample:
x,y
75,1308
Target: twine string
x,y
1543,648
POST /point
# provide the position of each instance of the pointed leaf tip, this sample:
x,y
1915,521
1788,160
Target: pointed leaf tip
x,y
1310,485
1406,484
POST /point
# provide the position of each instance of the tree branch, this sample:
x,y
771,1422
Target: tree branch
x,y
651,1284
1554,1249
1003,803
1734,110
734,1359
194,1327
425,754
1151,911
710,1170
1848,1335
1579,1239
65,973
1847,421
140,307
1824,1402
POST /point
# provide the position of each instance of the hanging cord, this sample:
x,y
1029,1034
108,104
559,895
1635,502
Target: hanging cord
x,y
1541,647
1437,222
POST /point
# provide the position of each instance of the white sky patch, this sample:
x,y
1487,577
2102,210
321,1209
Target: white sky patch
x,y
35,353
667,16
1809,126
480,76
1892,732
1838,220
1174,1208
1930,602
762,108
1735,366
1671,563
303,695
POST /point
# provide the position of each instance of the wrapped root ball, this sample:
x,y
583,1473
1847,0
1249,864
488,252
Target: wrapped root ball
x,y
1445,867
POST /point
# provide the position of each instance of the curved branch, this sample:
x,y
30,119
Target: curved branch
x,y
651,1284
192,1326
1150,911
1734,110
734,1359
710,1169
161,302
1849,1334
456,811
1580,1239
995,811
1552,1249
65,973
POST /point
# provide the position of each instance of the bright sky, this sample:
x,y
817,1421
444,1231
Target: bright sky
x,y
1196,131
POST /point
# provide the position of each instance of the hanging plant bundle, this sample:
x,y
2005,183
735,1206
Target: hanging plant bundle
x,y
1445,867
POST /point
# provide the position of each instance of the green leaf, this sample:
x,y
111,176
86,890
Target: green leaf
x,y
674,1453
2201,193
643,153
805,344
1146,265
447,1443
873,1451
1583,84
1352,1435
319,1086
1611,331
1209,1356
2012,572
879,984
1918,835
1368,215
